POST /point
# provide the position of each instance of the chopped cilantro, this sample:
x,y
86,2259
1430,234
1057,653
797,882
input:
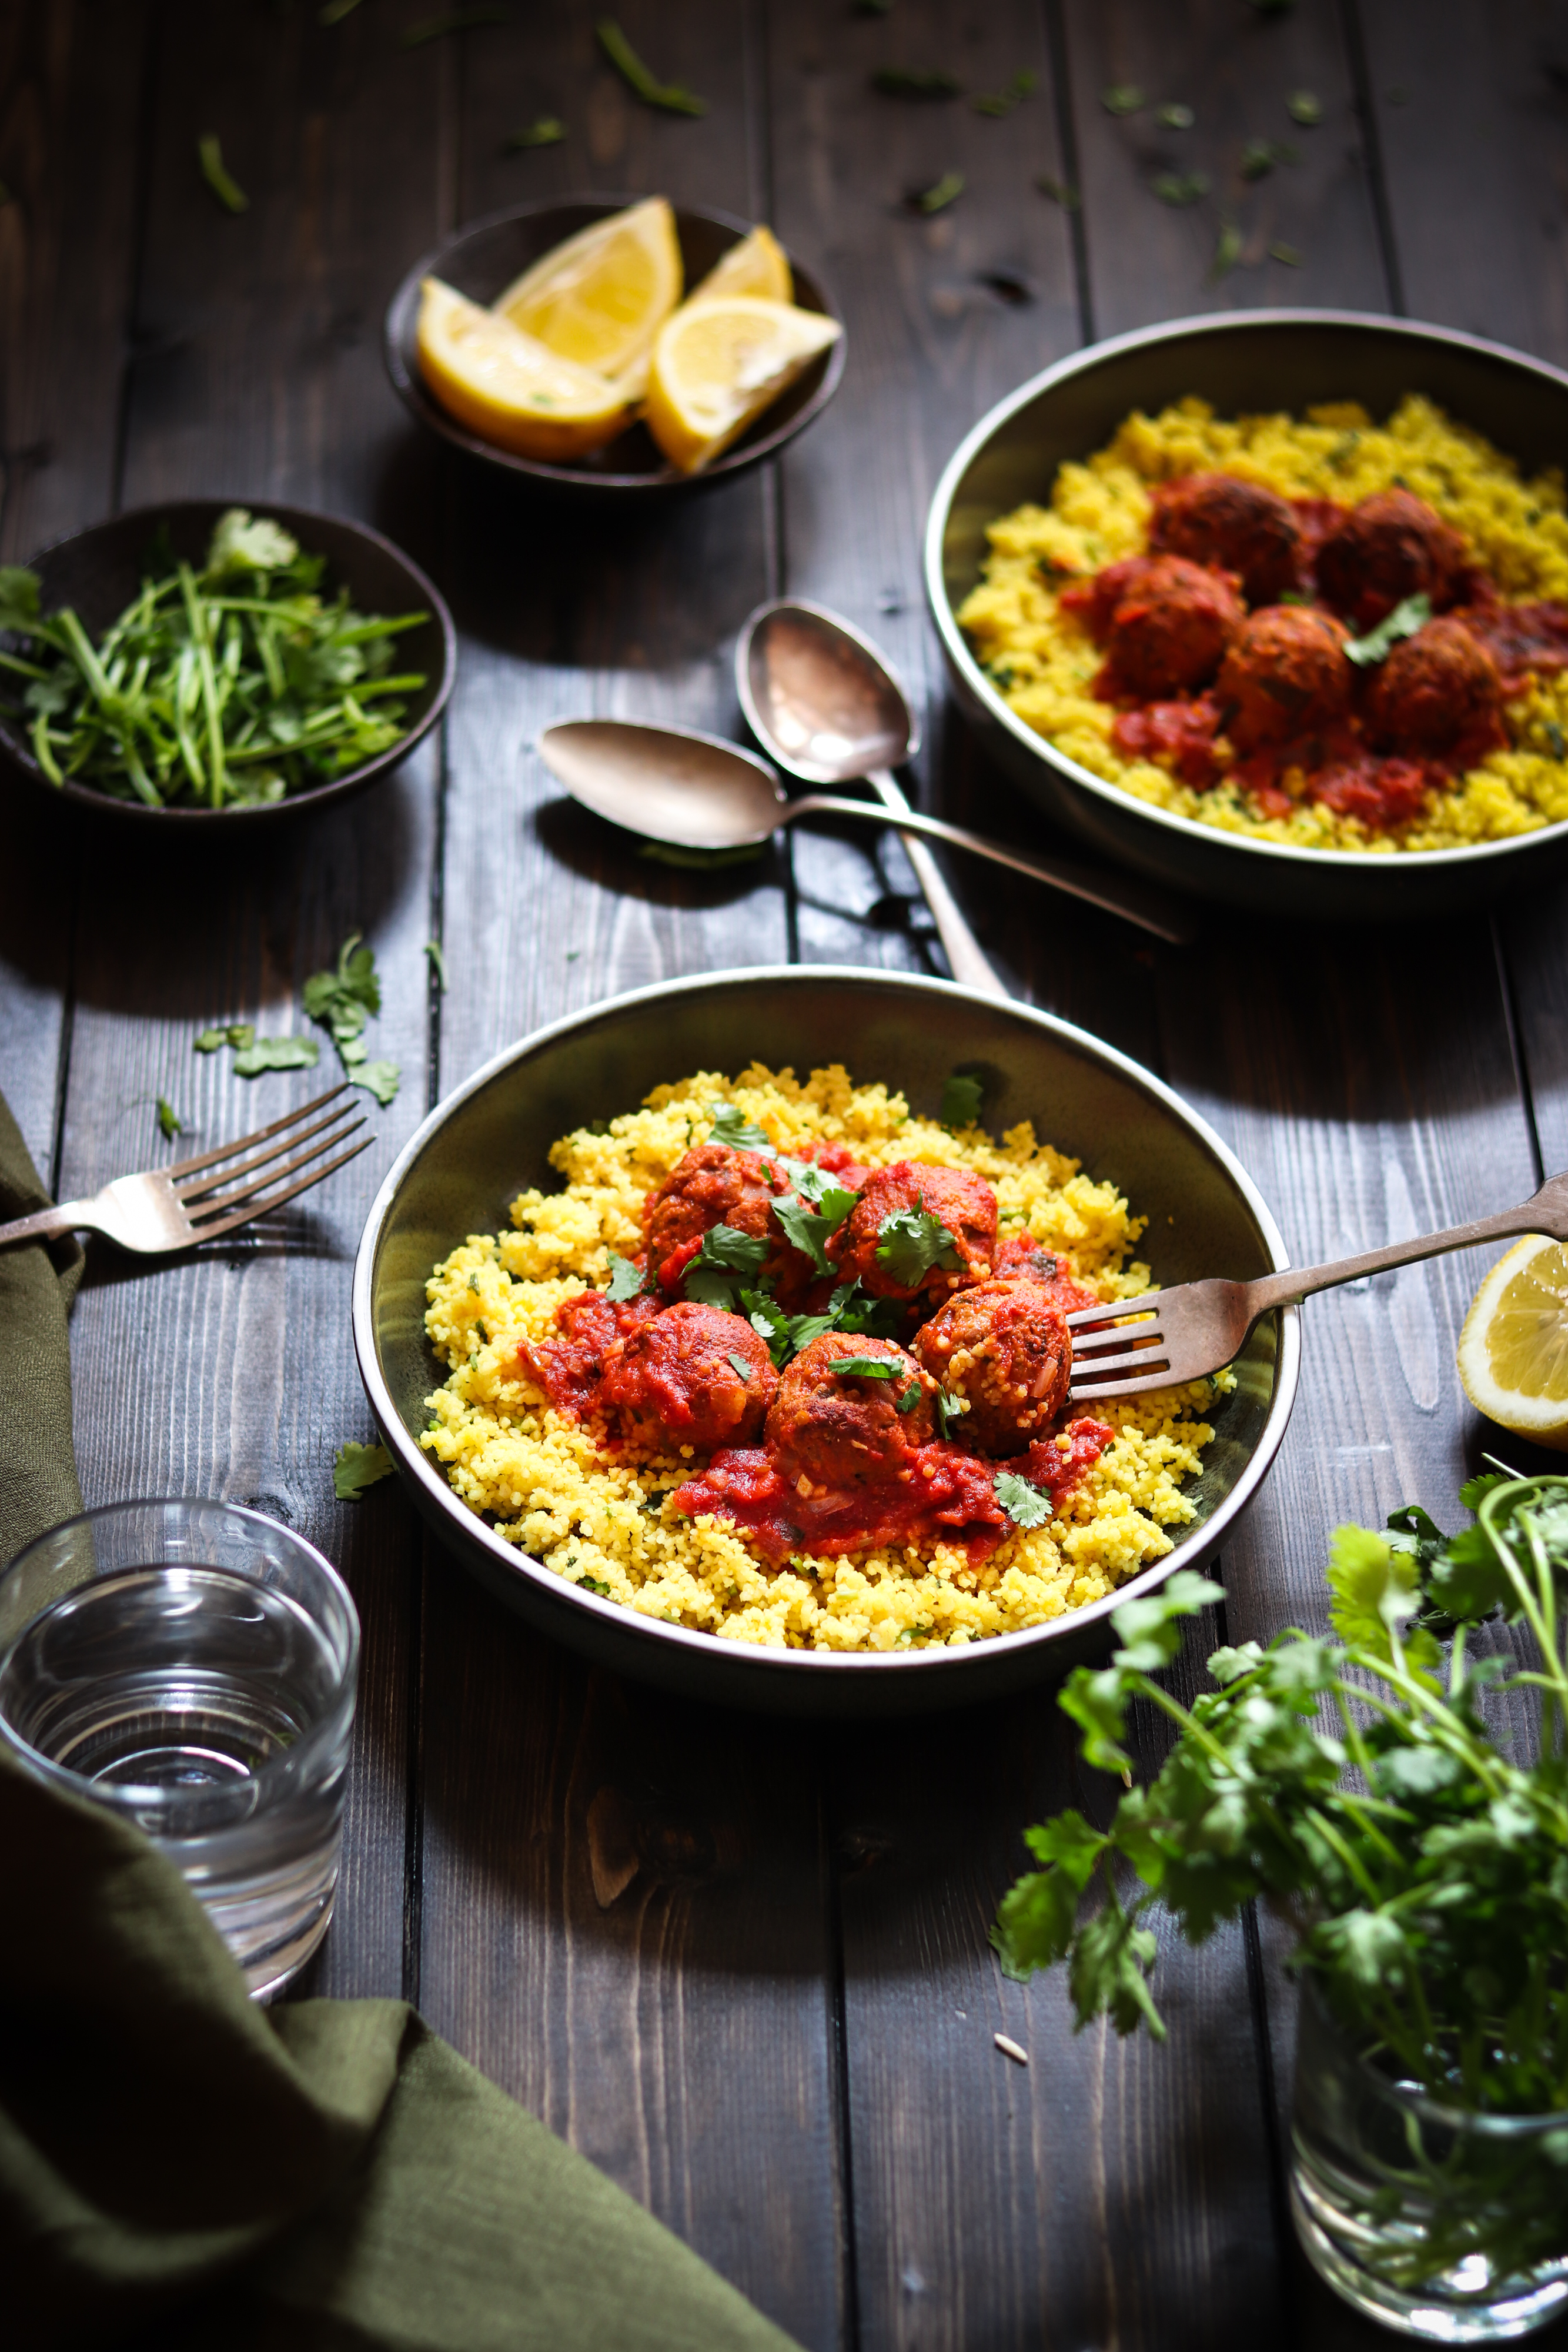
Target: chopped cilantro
x,y
736,1131
239,1033
807,1230
276,1053
1121,97
710,1278
1403,621
342,1000
169,1119
866,1367
961,1095
626,1280
911,1242
1023,1503
743,1367
946,1412
909,1400
357,1467
433,949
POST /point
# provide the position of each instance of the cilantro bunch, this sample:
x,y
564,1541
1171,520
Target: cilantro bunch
x,y
1355,1782
221,687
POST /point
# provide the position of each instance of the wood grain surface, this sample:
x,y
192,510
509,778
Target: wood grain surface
x,y
744,1965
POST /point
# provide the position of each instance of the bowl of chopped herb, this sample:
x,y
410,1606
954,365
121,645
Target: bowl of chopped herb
x,y
200,659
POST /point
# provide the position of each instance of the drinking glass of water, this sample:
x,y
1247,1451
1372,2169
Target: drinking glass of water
x,y
190,1665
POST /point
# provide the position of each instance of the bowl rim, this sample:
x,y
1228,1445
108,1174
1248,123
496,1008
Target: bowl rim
x,y
298,519
955,646
415,1463
429,413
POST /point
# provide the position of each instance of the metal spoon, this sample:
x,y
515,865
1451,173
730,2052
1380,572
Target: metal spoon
x,y
697,791
826,703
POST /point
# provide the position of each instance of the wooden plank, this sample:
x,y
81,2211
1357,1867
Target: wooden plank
x,y
947,312
64,78
255,379
621,1918
1234,68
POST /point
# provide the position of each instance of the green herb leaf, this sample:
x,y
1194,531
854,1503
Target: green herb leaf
x,y
357,1467
1181,188
710,1278
866,1367
433,949
909,1400
1024,1503
246,543
1403,621
902,81
1292,258
670,95
1304,108
1148,1627
545,130
699,861
18,597
455,20
1060,191
1175,117
1121,97
1227,253
962,1094
743,1365
736,1131
1259,157
227,190
276,1054
168,1118
626,1280
1014,90
937,198
911,1242
378,1078
808,1230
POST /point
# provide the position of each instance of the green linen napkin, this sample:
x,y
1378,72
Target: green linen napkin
x,y
179,2169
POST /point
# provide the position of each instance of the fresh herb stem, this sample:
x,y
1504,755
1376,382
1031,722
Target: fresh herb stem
x,y
670,95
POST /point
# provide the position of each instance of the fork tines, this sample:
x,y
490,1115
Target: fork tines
x,y
1103,1348
225,1198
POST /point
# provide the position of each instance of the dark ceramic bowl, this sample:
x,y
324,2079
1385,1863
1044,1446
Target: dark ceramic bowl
x,y
97,571
1246,362
492,1137
482,260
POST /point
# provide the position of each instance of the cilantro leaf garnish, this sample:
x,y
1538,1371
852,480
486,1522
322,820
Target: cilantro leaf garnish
x,y
1403,621
947,1412
909,1400
911,1242
342,1000
961,1095
867,1368
710,1278
169,1120
807,1230
357,1467
743,1367
276,1054
1023,1503
732,1129
626,1280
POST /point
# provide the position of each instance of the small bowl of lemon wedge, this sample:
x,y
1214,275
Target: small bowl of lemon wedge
x,y
614,345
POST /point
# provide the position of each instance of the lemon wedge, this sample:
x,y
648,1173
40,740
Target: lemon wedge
x,y
717,364
508,388
1514,1350
600,297
758,265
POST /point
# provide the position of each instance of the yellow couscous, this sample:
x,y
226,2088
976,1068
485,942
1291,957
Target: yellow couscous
x,y
605,1520
1042,660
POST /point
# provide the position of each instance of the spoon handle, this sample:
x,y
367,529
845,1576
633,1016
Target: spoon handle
x,y
1148,908
966,959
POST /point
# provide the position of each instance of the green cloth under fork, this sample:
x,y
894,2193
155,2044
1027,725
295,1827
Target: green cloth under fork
x,y
179,2169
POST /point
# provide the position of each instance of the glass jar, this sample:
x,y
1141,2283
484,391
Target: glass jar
x,y
1446,2225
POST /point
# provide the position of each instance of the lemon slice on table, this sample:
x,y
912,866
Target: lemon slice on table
x,y
508,388
717,364
1514,1350
758,265
600,297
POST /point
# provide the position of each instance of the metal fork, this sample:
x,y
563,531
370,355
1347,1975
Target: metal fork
x,y
1199,1326
160,1211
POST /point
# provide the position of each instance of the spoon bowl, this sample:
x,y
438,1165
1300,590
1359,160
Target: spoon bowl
x,y
818,697
691,790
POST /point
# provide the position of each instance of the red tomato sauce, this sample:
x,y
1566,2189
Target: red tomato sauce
x,y
949,1497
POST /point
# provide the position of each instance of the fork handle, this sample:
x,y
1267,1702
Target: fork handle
x,y
46,1224
1547,1213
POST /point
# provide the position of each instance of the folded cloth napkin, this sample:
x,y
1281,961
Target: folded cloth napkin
x,y
178,2168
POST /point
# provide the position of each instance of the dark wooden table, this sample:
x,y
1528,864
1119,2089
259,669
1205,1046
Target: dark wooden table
x,y
743,1966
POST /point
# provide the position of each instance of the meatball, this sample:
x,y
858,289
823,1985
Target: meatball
x,y
1287,675
1389,547
713,1185
827,1429
1168,628
1005,1349
1432,689
677,1380
1235,525
963,1201
1021,1258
